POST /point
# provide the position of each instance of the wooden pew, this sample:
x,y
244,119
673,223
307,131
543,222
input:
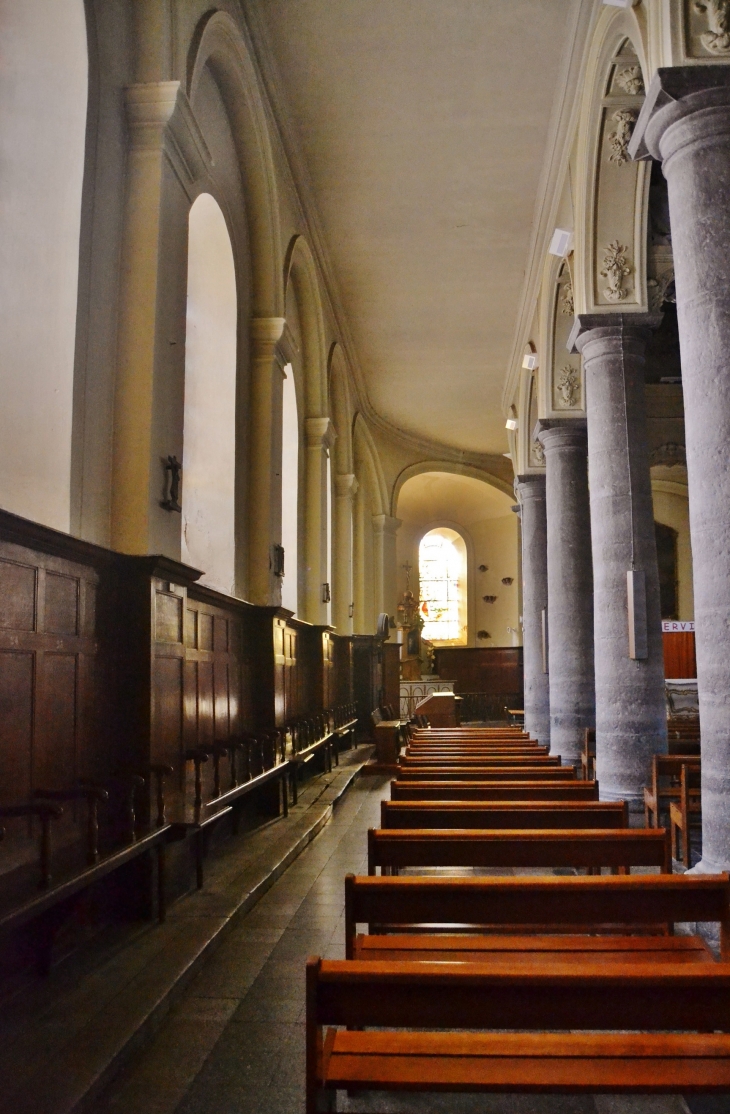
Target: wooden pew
x,y
407,761
686,813
615,848
665,774
504,814
426,998
486,773
577,905
588,754
497,790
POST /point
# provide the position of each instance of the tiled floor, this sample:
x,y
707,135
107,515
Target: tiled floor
x,y
234,1044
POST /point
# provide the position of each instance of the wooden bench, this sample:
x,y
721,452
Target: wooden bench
x,y
665,775
588,754
504,814
617,848
486,773
686,813
538,904
496,790
428,998
478,760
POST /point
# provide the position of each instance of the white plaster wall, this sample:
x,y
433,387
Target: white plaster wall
x,y
290,492
671,508
43,94
209,454
495,545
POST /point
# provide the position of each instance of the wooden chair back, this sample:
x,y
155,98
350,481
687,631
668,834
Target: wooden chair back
x,y
495,790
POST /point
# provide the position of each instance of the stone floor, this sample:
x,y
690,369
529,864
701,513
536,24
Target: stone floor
x,y
234,1043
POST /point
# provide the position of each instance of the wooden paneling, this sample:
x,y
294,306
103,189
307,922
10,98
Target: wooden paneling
x,y
391,675
679,654
492,670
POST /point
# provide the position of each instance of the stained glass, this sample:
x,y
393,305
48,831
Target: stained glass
x,y
441,569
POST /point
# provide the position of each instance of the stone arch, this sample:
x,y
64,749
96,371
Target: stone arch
x,y
340,408
300,271
611,190
450,466
366,455
219,46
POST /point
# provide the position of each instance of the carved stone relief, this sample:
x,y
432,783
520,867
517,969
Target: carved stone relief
x,y
616,268
630,80
618,141
567,387
537,454
660,290
567,303
669,455
716,37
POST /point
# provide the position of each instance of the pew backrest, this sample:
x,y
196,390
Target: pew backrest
x,y
503,814
633,900
463,790
567,847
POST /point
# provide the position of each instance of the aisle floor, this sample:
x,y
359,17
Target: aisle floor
x,y
234,1043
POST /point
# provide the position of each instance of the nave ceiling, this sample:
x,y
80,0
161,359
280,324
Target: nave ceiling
x,y
423,126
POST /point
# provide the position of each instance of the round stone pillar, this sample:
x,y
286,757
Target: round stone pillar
x,y
530,490
631,718
570,585
686,124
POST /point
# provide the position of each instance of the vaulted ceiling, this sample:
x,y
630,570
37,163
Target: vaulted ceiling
x,y
423,126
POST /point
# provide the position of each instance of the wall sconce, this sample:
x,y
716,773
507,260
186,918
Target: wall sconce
x,y
326,594
484,568
507,580
562,240
277,560
511,423
483,634
489,599
351,610
529,361
173,475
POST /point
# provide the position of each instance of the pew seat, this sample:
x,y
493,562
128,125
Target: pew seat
x,y
615,848
528,997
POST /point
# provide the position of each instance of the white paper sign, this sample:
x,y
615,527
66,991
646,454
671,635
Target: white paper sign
x,y
672,626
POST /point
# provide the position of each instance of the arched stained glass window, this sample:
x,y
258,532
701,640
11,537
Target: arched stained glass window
x,y
442,573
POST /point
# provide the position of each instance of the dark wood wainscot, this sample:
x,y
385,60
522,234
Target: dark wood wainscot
x,y
489,678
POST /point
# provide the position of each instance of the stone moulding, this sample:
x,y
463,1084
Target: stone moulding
x,y
668,455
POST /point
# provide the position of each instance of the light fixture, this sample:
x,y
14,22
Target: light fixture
x,y
529,362
511,423
561,242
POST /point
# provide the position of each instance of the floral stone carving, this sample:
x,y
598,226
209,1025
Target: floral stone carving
x,y
538,453
717,38
568,387
631,80
567,304
618,141
615,268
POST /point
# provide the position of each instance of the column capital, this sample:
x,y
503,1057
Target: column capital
x,y
320,433
562,433
530,486
345,485
386,524
619,331
266,332
160,118
675,93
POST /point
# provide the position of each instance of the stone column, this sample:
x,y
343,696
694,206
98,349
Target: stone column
x,y
530,491
570,585
342,558
319,437
360,623
385,528
265,459
631,718
685,123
